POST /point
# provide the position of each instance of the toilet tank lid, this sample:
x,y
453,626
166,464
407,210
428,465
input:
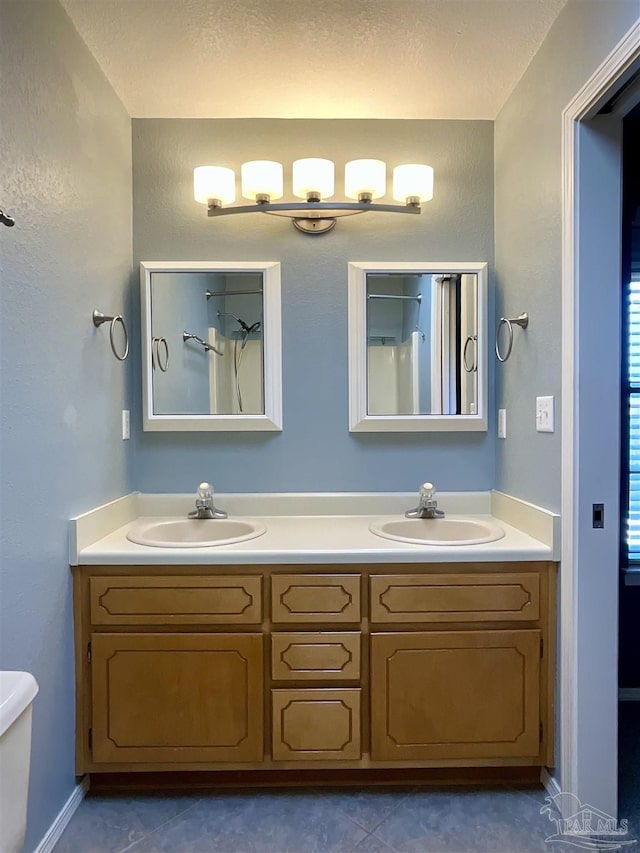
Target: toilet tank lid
x,y
17,691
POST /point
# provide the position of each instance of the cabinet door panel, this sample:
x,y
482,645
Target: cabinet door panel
x,y
307,656
456,597
212,600
455,694
315,598
177,697
316,725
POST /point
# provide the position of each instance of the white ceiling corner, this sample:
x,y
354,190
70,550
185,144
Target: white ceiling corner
x,y
393,59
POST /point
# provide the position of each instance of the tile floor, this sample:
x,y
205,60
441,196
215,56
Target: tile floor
x,y
346,820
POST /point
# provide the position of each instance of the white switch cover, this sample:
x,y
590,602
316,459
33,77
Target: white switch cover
x,y
544,414
502,423
126,424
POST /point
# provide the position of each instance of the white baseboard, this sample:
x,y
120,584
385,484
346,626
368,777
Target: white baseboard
x,y
59,825
549,782
629,694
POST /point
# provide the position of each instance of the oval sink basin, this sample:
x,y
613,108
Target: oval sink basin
x,y
193,532
438,531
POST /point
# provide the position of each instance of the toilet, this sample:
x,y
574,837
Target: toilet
x,y
17,692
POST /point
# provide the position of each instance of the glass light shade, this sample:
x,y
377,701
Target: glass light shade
x,y
260,178
214,182
313,175
365,176
413,180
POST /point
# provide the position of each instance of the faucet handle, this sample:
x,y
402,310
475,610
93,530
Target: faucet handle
x,y
427,491
205,491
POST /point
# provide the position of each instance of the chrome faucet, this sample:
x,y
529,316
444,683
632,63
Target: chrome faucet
x,y
204,504
428,506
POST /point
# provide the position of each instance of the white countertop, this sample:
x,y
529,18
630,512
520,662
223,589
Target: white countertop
x,y
308,539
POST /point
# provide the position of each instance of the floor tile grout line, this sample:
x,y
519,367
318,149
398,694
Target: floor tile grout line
x,y
539,796
386,817
370,830
389,845
131,847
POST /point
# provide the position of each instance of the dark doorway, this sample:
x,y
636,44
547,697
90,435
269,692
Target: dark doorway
x,y
629,637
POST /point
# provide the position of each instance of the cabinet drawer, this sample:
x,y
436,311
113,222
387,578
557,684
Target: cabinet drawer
x,y
316,725
315,598
512,597
315,656
176,600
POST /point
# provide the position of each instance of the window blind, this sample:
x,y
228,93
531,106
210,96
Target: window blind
x,y
633,398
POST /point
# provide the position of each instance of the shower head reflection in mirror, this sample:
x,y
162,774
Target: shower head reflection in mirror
x,y
231,310
238,351
409,324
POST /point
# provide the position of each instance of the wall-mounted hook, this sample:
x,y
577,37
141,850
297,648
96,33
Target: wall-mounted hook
x,y
521,320
7,220
99,318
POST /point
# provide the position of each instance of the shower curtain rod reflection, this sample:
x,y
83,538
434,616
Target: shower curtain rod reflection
x,y
211,293
417,298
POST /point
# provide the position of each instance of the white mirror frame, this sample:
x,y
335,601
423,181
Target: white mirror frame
x,y
359,420
271,420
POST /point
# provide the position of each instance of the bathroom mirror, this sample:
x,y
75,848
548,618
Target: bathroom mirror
x,y
211,343
417,347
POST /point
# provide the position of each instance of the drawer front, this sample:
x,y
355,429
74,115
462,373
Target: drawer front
x,y
176,600
316,725
315,656
512,597
315,598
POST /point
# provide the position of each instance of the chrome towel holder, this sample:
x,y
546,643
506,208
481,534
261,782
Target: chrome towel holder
x,y
156,361
521,320
473,367
189,336
99,318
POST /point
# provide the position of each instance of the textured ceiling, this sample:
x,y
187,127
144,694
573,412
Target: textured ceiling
x,y
313,58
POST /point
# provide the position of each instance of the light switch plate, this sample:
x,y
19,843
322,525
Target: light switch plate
x,y
126,424
544,414
502,423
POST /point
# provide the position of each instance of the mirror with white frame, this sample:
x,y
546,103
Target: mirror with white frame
x,y
211,344
417,347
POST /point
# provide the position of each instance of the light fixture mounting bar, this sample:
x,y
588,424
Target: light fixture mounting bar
x,y
313,217
298,209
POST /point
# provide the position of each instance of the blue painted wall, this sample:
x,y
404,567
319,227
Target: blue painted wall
x,y
65,173
528,202
315,452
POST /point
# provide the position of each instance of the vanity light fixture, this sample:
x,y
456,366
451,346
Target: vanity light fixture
x,y
313,180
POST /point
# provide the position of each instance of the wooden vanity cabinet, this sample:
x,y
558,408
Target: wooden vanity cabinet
x,y
353,666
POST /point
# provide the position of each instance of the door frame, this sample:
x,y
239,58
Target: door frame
x,y
584,618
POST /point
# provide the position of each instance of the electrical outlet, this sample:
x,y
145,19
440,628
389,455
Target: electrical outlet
x,y
502,423
126,424
544,414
